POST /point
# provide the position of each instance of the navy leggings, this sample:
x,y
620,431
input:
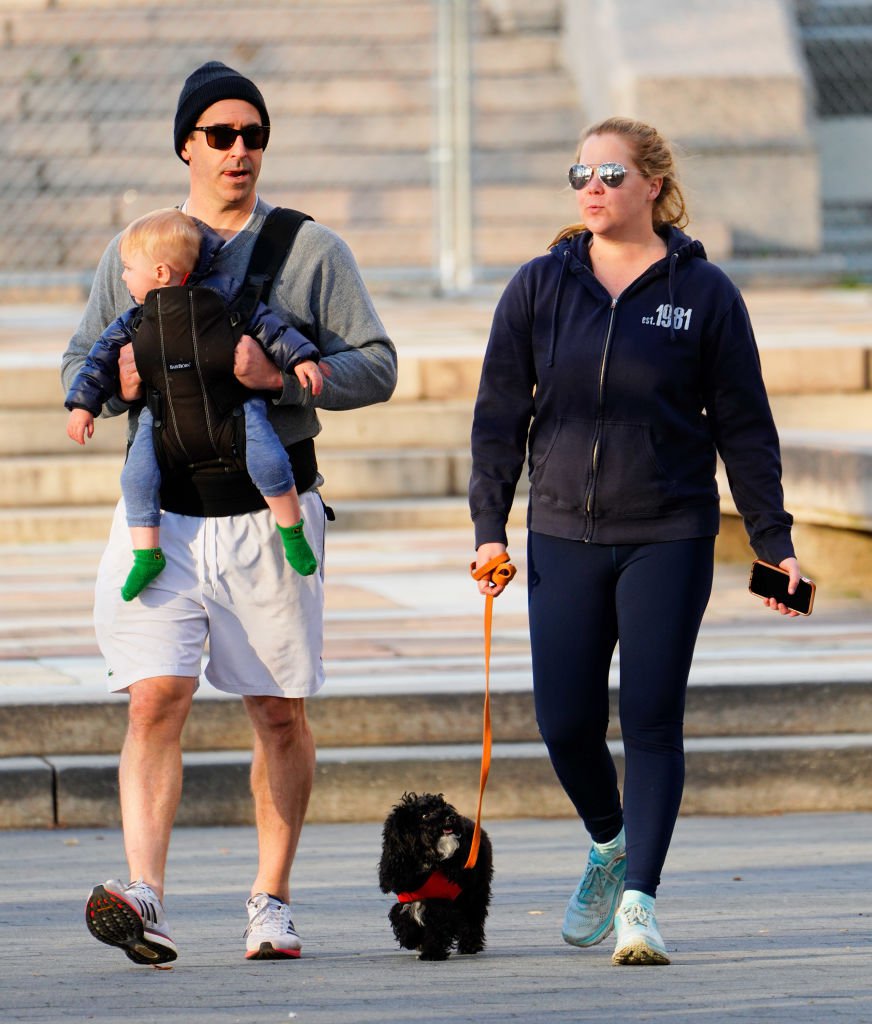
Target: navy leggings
x,y
585,599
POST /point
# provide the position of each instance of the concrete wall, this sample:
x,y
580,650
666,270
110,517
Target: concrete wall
x,y
726,82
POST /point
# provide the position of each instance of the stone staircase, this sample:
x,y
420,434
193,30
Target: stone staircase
x,y
89,94
779,718
402,464
779,712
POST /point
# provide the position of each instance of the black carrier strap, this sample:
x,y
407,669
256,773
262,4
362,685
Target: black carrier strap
x,y
225,488
275,241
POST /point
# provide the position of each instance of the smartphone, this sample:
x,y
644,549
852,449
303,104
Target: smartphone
x,y
769,581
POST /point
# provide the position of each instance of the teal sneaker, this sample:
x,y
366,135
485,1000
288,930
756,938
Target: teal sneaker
x,y
590,914
638,938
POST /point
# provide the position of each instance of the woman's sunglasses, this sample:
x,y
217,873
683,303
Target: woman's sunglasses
x,y
222,136
611,175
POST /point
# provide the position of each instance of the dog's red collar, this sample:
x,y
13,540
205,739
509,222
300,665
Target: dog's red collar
x,y
437,887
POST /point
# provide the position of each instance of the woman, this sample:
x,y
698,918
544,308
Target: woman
x,y
630,361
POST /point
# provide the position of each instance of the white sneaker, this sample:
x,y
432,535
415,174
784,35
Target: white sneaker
x,y
132,918
270,934
638,938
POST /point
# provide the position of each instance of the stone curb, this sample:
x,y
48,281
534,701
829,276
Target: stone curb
x,y
376,720
762,776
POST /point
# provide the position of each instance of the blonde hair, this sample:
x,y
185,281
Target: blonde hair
x,y
165,236
654,158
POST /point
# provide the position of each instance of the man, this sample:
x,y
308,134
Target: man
x,y
226,578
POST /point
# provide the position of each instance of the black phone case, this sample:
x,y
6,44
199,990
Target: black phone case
x,y
768,580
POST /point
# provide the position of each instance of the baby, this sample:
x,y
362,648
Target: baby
x,y
166,248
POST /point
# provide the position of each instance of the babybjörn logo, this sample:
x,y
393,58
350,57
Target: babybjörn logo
x,y
180,366
667,316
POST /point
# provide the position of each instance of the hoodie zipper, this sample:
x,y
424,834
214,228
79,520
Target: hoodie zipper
x,y
597,436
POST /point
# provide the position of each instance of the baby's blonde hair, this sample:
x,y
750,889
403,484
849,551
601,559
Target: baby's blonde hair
x,y
165,236
654,158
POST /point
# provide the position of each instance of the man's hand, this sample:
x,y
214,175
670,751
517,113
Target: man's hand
x,y
253,367
130,383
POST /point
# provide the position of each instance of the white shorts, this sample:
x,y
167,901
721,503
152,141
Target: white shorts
x,y
226,581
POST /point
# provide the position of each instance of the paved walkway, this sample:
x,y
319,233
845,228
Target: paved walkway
x,y
766,920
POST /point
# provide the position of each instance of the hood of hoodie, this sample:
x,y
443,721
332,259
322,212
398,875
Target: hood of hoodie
x,y
573,255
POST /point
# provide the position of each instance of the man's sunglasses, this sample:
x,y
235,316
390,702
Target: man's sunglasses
x,y
222,136
611,175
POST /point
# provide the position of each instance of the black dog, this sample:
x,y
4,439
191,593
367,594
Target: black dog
x,y
425,844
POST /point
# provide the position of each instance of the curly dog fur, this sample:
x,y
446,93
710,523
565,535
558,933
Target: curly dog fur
x,y
434,912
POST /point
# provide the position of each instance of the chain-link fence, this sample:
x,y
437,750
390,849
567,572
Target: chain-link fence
x,y
837,42
374,133
89,93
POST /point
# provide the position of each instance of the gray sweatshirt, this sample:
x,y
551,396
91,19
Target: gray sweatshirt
x,y
318,290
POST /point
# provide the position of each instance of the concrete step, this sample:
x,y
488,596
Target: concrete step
x,y
761,776
55,524
440,360
283,59
41,431
45,480
179,24
353,713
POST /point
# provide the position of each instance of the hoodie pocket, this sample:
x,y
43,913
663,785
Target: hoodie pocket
x,y
630,479
560,463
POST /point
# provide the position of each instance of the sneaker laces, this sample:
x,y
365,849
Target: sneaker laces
x,y
270,914
142,890
635,913
595,879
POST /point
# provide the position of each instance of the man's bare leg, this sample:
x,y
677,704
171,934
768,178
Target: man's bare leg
x,y
282,770
150,772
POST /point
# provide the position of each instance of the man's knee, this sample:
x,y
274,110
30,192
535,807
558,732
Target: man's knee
x,y
162,703
277,716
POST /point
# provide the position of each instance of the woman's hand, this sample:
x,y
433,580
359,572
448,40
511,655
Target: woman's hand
x,y
482,556
792,566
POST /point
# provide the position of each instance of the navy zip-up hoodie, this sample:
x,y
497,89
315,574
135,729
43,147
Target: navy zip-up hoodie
x,y
623,405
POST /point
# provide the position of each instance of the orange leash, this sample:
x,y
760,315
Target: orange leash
x,y
498,570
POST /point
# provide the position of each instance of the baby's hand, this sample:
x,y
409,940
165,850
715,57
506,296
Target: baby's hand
x,y
80,425
309,375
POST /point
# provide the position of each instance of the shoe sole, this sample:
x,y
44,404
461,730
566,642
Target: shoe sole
x,y
267,951
593,940
639,954
111,919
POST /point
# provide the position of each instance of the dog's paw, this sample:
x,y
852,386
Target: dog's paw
x,y
433,954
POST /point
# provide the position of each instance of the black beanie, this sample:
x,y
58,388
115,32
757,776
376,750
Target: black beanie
x,y
211,82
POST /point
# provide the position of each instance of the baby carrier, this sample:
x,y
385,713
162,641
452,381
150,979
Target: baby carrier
x,y
184,347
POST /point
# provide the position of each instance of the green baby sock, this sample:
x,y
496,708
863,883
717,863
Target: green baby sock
x,y
297,550
148,563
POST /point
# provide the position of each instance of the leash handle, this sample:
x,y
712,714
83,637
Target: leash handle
x,y
499,569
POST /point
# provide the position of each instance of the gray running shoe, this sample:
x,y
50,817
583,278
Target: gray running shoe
x,y
270,934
